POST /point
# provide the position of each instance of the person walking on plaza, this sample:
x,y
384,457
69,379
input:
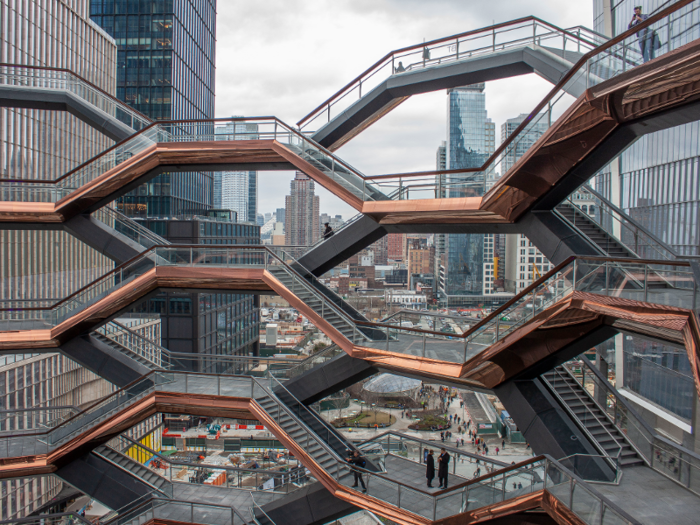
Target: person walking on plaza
x,y
443,462
358,461
430,468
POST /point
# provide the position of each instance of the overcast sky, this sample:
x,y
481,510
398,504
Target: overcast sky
x,y
285,57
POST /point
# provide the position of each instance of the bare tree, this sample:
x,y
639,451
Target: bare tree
x,y
338,400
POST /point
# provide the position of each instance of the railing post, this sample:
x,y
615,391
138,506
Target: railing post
x,y
534,33
398,501
646,275
424,336
466,342
457,48
360,89
494,39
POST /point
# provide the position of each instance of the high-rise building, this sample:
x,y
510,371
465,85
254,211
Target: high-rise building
x,y
525,140
655,181
237,190
281,215
524,262
43,144
440,239
470,142
165,69
301,226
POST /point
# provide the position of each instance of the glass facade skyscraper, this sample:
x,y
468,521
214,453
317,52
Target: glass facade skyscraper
x,y
657,182
165,69
470,142
237,190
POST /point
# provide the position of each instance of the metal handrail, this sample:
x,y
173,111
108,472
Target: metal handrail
x,y
114,99
256,506
41,519
614,460
160,349
458,451
124,469
288,268
639,420
384,60
167,459
126,510
139,228
623,217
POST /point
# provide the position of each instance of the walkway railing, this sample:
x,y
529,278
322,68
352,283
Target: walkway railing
x,y
660,453
621,227
161,509
464,46
670,283
675,25
177,471
66,80
580,462
129,227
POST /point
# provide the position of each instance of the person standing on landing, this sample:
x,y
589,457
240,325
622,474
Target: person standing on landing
x,y
430,468
443,462
357,461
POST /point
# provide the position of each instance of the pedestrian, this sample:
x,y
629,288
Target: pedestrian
x,y
477,472
520,485
648,39
515,486
358,461
442,437
328,231
497,449
430,468
443,462
503,444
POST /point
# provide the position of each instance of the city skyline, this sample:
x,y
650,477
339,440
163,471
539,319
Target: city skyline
x,y
404,140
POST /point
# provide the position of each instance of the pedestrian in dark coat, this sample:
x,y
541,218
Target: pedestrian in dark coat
x,y
443,462
430,468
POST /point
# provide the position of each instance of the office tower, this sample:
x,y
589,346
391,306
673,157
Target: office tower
x,y
238,189
524,262
439,238
281,215
470,142
524,142
168,75
260,219
41,144
655,181
302,212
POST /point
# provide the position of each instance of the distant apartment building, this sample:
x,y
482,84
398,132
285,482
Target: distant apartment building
x,y
396,247
335,221
301,212
420,258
